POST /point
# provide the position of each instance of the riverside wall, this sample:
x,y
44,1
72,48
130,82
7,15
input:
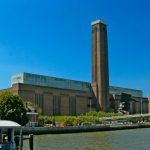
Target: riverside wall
x,y
78,129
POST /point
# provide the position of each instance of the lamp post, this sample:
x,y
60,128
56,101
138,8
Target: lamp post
x,y
149,102
141,106
141,111
90,104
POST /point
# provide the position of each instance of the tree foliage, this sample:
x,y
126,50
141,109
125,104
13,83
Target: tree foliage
x,y
32,106
12,108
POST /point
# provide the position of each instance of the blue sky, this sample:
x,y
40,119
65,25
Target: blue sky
x,y
53,37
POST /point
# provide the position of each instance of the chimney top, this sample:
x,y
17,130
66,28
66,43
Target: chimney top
x,y
97,22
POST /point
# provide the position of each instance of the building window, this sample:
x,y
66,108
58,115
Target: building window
x,y
56,105
39,100
72,105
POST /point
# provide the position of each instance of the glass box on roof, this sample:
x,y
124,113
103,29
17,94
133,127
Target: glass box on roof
x,y
41,80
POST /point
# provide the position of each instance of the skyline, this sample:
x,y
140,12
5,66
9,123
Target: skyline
x,y
30,32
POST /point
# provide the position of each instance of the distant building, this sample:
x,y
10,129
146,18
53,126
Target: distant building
x,y
120,90
137,105
57,96
149,95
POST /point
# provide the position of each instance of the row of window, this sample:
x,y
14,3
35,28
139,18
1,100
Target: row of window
x,y
57,104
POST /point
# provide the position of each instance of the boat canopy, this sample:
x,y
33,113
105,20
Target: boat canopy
x,y
9,124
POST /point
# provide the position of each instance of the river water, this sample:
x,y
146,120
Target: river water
x,y
136,139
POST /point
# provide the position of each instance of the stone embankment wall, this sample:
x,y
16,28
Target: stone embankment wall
x,y
77,129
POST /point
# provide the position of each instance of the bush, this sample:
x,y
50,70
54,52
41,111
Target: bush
x,y
87,119
70,121
102,114
41,120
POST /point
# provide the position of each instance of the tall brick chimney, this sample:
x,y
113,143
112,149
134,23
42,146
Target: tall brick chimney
x,y
100,70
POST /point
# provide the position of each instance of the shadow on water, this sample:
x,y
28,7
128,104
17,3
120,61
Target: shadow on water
x,y
137,139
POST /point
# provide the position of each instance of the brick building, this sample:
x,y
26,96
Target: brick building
x,y
57,96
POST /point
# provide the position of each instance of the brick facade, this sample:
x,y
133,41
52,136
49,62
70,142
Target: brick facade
x,y
54,101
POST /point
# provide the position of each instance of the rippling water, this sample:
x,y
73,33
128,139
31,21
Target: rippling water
x,y
137,139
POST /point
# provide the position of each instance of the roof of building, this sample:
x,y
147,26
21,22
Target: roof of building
x,y
41,80
54,82
119,90
9,124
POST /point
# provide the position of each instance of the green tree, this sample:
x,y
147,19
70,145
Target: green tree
x,y
12,108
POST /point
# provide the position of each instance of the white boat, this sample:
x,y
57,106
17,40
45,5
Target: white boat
x,y
8,141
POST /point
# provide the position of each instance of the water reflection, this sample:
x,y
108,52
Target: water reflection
x,y
137,139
